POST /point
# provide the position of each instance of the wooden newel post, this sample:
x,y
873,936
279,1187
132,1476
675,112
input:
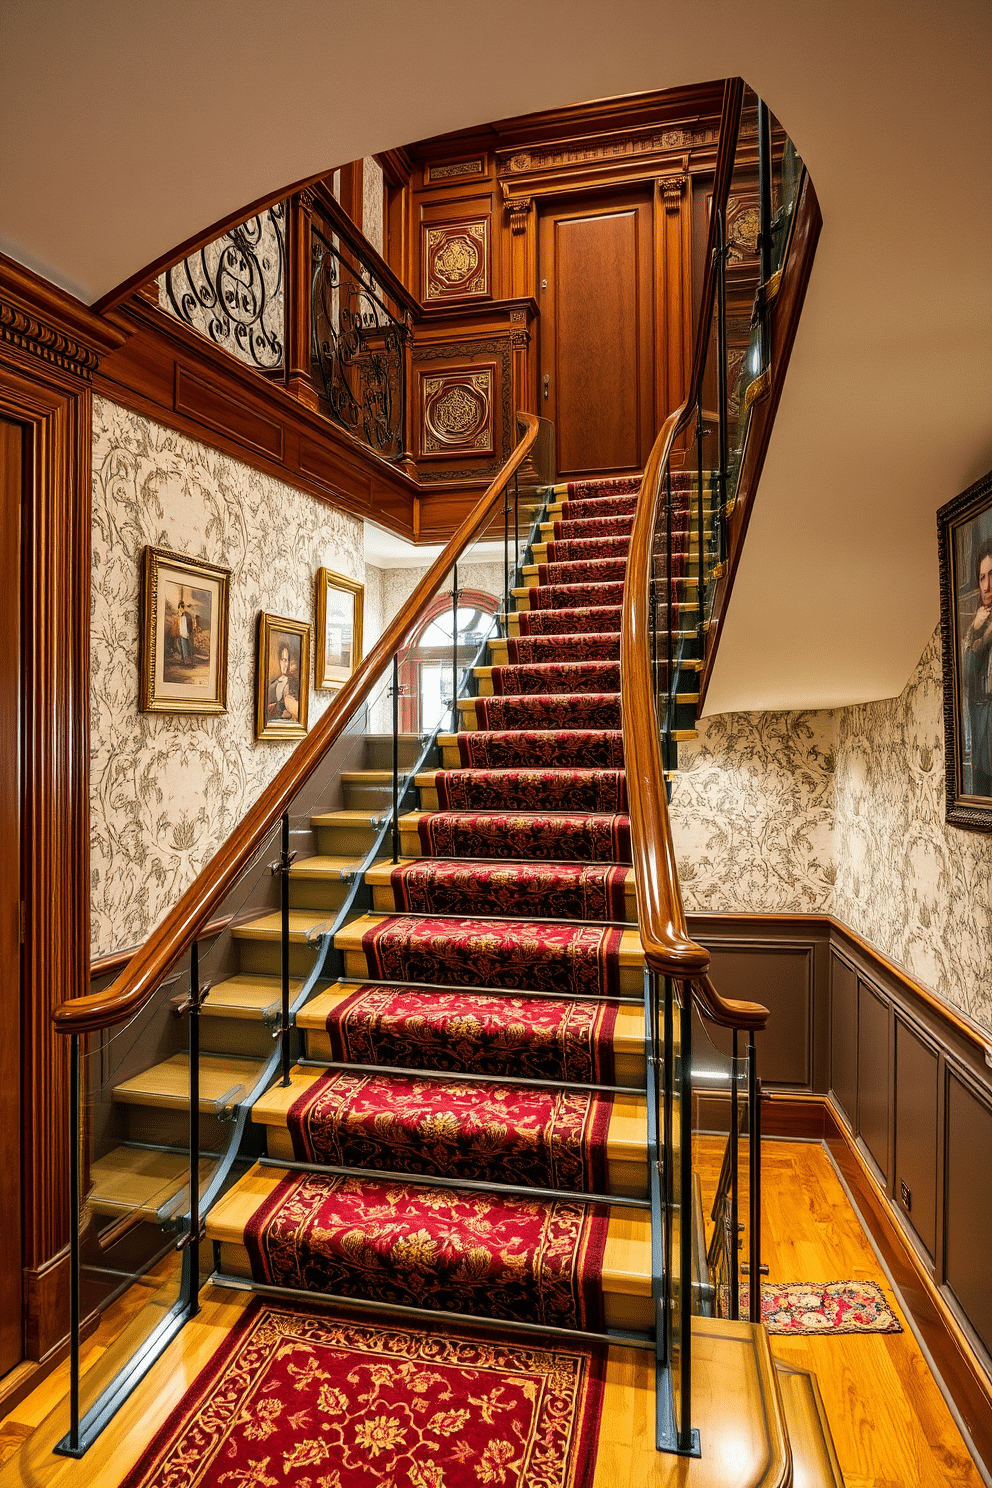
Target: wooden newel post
x,y
299,381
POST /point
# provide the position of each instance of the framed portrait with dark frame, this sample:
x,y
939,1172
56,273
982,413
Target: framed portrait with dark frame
x,y
340,606
964,530
282,677
184,619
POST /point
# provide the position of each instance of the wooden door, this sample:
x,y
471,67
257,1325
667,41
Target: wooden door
x,y
11,476
595,274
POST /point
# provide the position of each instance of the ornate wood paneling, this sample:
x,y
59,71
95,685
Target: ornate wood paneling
x,y
456,412
50,346
456,260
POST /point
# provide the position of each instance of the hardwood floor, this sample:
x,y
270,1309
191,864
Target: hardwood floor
x,y
891,1426
890,1423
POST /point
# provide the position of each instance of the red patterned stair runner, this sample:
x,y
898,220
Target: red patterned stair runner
x,y
400,1124
532,831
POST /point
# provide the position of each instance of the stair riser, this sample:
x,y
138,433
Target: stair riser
x,y
375,798
345,841
168,1127
265,956
379,752
384,902
235,1036
620,1310
631,978
318,893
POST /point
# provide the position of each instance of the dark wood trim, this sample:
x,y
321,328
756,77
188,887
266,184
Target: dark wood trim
x,y
785,312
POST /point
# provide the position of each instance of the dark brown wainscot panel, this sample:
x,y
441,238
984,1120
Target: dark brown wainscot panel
x,y
873,1075
968,1203
917,1103
844,1036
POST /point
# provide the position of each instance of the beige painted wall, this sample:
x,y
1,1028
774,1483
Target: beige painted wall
x,y
167,789
842,812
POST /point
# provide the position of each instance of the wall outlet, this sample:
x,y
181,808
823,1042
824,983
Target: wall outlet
x,y
905,1197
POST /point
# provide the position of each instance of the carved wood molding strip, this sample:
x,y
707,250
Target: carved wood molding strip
x,y
40,319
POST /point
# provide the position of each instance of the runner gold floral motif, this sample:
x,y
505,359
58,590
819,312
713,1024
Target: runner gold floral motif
x,y
585,710
298,1398
498,749
575,596
544,957
556,676
588,837
443,1249
493,790
524,650
595,618
561,891
538,1038
542,1138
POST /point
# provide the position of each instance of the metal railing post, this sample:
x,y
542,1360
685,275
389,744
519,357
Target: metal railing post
x,y
280,869
395,830
455,593
506,557
754,1193
686,1435
721,375
670,613
75,1061
700,524
195,1000
734,1272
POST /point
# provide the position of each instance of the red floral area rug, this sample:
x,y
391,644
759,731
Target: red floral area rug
x,y
535,1038
587,837
539,957
505,748
575,596
574,550
522,650
556,676
583,571
298,1397
454,1129
451,1250
583,710
554,891
595,619
805,1308
525,790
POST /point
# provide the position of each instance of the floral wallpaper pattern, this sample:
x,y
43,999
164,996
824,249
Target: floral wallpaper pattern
x,y
167,789
752,813
918,889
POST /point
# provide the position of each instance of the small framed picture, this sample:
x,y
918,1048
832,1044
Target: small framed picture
x,y
964,529
184,616
282,677
339,628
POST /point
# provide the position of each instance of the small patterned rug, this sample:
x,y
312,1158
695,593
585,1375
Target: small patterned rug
x,y
805,1308
296,1398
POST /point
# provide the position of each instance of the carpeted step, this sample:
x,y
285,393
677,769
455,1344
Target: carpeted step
x,y
548,890
586,549
569,596
537,1137
549,677
549,836
523,790
488,749
580,571
596,620
548,957
556,710
463,1031
563,1263
591,527
574,647
579,509
607,485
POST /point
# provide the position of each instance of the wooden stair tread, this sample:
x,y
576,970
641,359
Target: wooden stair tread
x,y
134,1178
313,1014
269,927
349,937
167,1084
349,818
814,1457
626,1262
246,995
375,775
320,866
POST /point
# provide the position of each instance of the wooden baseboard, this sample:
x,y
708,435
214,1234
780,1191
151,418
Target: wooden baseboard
x,y
964,1376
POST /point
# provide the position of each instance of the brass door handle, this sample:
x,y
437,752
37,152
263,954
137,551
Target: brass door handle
x,y
547,383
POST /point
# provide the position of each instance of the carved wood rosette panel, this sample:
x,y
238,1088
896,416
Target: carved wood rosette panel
x,y
457,412
456,260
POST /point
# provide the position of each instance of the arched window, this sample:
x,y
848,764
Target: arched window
x,y
427,663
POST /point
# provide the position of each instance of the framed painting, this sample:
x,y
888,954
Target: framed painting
x,y
282,677
340,604
184,617
964,529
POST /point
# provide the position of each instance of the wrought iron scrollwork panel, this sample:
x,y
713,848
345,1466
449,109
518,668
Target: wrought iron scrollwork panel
x,y
233,290
358,349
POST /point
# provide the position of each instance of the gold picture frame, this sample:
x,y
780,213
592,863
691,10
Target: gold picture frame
x,y
282,677
340,613
183,642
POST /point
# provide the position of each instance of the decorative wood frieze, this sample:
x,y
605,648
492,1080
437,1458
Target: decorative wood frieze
x,y
451,170
619,145
44,322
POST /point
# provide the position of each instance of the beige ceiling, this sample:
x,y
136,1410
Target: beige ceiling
x,y
126,126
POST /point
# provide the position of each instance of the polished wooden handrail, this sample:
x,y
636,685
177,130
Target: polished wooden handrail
x,y
668,948
188,918
727,1012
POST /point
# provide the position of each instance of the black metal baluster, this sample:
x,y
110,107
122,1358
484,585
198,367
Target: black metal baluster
x,y
721,376
765,234
688,1439
195,1003
734,1277
280,869
670,610
506,557
455,595
395,831
700,526
754,1164
516,522
75,1058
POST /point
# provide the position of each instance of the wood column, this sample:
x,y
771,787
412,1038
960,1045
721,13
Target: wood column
x,y
673,290
298,279
50,344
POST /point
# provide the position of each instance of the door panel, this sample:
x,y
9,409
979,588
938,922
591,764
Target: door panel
x,y
11,445
597,334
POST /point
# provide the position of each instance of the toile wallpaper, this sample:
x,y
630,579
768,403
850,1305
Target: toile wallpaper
x,y
166,790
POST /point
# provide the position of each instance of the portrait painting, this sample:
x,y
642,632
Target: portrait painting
x,y
184,618
282,677
965,539
339,628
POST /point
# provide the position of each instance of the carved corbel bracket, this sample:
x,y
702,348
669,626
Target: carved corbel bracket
x,y
671,188
519,209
